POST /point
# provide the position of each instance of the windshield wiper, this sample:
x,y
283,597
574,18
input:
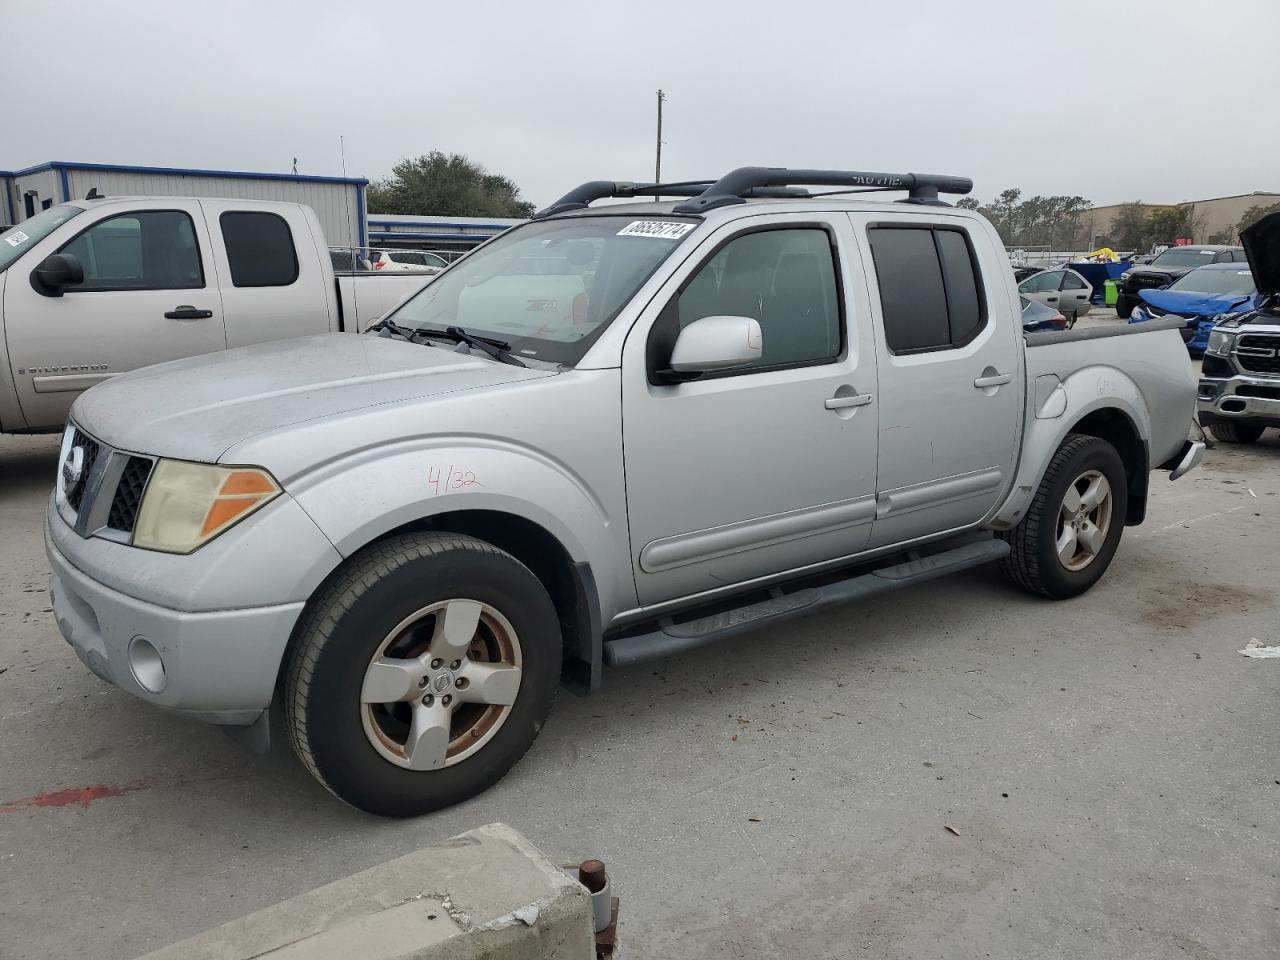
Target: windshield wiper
x,y
499,350
404,333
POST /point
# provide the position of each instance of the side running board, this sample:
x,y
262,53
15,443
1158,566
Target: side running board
x,y
673,638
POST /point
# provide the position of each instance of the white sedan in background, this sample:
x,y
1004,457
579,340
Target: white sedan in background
x,y
1062,289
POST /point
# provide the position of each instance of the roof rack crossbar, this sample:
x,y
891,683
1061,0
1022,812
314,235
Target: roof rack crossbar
x,y
752,182
734,186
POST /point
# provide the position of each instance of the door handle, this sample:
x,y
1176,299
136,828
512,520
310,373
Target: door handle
x,y
853,400
188,313
1051,299
999,380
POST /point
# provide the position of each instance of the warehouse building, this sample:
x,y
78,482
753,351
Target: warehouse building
x,y
439,234
1214,219
339,202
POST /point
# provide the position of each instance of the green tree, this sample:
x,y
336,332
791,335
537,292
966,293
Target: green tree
x,y
1130,229
1170,224
1256,213
446,186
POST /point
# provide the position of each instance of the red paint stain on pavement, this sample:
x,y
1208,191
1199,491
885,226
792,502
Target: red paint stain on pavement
x,y
73,795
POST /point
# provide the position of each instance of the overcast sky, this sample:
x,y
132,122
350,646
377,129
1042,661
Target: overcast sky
x,y
1111,100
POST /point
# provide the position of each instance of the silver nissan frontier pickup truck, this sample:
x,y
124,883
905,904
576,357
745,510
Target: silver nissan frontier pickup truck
x,y
611,434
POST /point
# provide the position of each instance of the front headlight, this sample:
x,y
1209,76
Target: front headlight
x,y
1219,343
188,504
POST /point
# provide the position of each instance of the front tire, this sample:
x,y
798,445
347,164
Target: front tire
x,y
1065,542
1231,431
421,673
1123,307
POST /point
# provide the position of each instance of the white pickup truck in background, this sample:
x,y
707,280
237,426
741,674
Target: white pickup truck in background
x,y
94,288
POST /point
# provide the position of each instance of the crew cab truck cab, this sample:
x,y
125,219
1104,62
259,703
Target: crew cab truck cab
x,y
608,435
1239,393
98,287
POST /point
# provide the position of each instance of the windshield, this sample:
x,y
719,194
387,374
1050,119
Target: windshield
x,y
549,288
1238,281
1175,257
14,243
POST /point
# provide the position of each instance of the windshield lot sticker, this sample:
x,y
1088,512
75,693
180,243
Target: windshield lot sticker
x,y
659,229
17,239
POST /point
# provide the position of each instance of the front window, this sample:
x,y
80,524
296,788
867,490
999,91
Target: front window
x,y
17,241
1232,281
550,288
1182,257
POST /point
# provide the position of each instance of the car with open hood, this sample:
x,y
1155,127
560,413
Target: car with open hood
x,y
1239,391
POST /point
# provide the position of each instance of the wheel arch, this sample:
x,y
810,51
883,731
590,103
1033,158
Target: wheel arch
x,y
570,583
1117,428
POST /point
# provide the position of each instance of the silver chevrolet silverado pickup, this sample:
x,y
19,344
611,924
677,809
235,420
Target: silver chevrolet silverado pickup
x,y
614,433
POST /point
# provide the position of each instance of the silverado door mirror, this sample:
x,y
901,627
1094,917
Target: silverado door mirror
x,y
55,273
714,343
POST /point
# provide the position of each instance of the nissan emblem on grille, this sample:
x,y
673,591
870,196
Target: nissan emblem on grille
x,y
73,467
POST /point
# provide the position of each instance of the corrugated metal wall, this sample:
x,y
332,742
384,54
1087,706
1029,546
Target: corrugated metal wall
x,y
338,205
44,183
6,200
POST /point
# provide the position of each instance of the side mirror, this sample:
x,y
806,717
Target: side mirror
x,y
714,343
55,273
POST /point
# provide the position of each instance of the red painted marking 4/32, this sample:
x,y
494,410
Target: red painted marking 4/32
x,y
451,479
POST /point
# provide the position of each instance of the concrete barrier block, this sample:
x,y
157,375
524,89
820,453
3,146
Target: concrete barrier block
x,y
487,893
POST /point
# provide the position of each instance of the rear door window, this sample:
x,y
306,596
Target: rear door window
x,y
930,288
259,249
1072,282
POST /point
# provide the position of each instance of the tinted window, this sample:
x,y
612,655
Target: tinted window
x,y
930,291
964,302
786,280
1073,282
143,250
259,249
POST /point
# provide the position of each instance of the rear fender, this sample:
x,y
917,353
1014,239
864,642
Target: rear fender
x,y
1055,410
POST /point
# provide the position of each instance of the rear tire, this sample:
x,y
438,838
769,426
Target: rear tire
x,y
1233,432
385,610
1123,308
1063,545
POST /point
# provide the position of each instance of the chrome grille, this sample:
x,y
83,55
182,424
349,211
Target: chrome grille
x,y
92,449
128,495
107,495
1259,353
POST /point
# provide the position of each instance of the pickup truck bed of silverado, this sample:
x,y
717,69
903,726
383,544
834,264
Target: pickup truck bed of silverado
x,y
607,435
98,287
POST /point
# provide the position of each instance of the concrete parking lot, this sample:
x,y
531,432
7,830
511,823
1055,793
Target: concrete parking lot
x,y
959,770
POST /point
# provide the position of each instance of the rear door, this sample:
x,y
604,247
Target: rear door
x,y
149,295
273,280
950,373
1074,295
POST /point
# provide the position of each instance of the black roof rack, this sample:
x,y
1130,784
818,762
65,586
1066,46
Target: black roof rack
x,y
746,182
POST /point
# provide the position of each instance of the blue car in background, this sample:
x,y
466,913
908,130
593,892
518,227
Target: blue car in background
x,y
1201,296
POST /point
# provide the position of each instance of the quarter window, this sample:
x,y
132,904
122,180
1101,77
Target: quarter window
x,y
930,289
259,249
142,250
785,279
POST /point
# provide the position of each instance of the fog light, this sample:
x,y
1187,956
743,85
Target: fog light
x,y
146,664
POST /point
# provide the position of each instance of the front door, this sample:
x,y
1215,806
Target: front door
x,y
149,295
948,336
766,468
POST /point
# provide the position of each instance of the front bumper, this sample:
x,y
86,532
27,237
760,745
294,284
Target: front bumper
x,y
218,666
1241,397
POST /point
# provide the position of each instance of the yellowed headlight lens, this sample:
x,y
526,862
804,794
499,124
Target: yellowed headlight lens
x,y
188,504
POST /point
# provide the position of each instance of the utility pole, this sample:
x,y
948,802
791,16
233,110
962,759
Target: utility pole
x,y
657,165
